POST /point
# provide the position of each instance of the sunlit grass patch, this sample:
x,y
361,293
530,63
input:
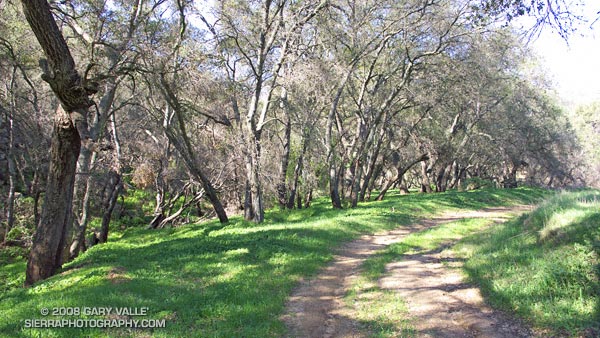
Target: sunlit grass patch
x,y
381,313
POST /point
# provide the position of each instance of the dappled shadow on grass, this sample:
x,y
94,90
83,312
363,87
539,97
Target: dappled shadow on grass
x,y
12,275
587,232
212,279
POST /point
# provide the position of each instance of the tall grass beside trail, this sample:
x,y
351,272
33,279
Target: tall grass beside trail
x,y
544,266
214,280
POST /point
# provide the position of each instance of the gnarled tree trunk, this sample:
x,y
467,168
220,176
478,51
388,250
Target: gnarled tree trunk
x,y
70,126
48,244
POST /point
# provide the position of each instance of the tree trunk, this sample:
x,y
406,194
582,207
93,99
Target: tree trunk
x,y
248,212
399,177
307,198
439,180
211,193
334,192
254,188
384,189
86,161
251,135
355,186
46,252
425,183
454,170
78,244
285,156
115,182
186,151
70,127
12,174
163,208
297,173
372,165
112,194
510,177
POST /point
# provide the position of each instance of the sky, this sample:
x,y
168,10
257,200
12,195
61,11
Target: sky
x,y
574,68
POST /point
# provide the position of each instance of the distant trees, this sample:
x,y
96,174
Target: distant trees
x,y
254,41
586,122
23,123
237,106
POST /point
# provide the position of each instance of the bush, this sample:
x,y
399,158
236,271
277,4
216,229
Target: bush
x,y
20,234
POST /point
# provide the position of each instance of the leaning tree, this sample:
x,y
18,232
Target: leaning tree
x,y
70,130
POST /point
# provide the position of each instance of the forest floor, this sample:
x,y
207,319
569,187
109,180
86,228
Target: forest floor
x,y
440,303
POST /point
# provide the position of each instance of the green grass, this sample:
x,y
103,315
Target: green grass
x,y
544,266
381,313
12,265
213,280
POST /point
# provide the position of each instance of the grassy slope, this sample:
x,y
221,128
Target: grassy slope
x,y
544,266
210,280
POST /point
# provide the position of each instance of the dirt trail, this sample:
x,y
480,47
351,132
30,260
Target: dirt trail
x,y
441,304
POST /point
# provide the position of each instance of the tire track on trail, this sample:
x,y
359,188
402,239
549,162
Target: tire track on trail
x,y
440,303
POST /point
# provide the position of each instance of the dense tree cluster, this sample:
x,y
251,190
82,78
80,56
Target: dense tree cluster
x,y
220,107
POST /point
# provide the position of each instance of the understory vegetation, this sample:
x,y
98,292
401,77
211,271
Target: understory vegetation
x,y
215,280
